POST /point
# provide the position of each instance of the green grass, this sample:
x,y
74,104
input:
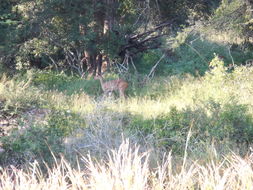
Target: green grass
x,y
67,84
216,107
197,118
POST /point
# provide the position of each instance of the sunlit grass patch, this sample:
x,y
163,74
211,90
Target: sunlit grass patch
x,y
78,103
18,95
186,91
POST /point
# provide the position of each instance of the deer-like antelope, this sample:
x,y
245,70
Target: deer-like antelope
x,y
113,85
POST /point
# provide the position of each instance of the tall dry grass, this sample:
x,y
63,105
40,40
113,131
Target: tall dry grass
x,y
128,168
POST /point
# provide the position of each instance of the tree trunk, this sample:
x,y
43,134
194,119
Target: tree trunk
x,y
104,17
99,63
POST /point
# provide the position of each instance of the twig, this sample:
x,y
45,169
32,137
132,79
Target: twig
x,y
154,67
186,145
196,52
54,63
194,40
137,20
153,30
229,51
159,11
131,59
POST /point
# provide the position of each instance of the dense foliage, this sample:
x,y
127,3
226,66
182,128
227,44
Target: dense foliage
x,y
80,35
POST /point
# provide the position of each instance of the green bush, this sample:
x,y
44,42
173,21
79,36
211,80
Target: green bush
x,y
231,122
63,123
148,60
169,128
194,54
39,141
36,142
234,123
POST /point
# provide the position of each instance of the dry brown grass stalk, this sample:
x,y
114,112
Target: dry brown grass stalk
x,y
127,168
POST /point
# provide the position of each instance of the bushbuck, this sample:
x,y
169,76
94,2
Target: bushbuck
x,y
113,85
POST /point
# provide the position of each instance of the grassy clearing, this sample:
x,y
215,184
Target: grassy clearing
x,y
216,108
155,98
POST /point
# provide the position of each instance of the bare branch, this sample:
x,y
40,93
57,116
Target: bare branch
x,y
143,41
229,51
152,71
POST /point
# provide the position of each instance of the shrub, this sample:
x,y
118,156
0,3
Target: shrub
x,y
170,129
38,140
148,60
231,122
63,123
235,122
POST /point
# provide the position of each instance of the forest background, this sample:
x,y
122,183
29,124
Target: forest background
x,y
187,121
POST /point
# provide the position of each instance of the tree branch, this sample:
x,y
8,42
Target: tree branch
x,y
143,41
